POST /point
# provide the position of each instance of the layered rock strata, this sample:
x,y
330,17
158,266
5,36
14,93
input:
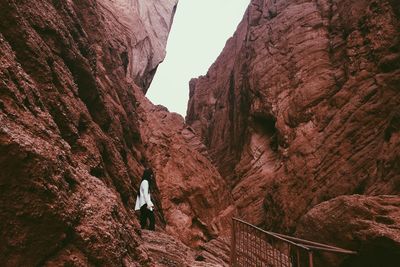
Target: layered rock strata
x,y
144,27
302,106
72,152
195,199
167,251
367,224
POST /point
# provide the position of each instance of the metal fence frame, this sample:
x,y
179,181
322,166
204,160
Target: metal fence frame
x,y
253,246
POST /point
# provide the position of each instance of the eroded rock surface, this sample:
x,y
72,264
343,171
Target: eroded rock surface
x,y
72,148
196,202
167,251
144,26
367,224
302,106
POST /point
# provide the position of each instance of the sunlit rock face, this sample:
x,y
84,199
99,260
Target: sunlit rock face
x,y
302,106
145,26
72,150
366,224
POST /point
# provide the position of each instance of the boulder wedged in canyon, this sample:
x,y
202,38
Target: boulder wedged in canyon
x,y
71,150
369,225
302,106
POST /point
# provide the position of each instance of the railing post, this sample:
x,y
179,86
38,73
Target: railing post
x,y
310,259
233,244
298,257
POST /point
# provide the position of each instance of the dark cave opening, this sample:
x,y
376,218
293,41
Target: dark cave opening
x,y
381,251
265,124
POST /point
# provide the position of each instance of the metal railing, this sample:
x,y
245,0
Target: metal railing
x,y
253,246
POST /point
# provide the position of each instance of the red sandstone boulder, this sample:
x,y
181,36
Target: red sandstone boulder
x,y
368,225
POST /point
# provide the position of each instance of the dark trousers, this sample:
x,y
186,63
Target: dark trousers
x,y
145,214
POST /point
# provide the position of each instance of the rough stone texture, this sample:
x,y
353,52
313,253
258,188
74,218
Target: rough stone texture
x,y
217,250
369,225
144,26
72,74
195,200
303,106
167,251
55,151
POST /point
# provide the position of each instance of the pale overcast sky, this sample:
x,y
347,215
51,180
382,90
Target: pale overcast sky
x,y
199,33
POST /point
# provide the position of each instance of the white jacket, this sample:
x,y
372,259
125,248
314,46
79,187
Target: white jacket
x,y
144,197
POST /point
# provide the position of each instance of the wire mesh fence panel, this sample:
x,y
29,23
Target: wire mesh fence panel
x,y
255,248
252,246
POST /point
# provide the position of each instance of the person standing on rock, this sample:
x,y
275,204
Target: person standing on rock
x,y
143,201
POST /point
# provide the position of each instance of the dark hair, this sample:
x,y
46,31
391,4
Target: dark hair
x,y
147,175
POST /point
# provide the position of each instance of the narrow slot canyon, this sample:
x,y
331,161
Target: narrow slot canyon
x,y
288,154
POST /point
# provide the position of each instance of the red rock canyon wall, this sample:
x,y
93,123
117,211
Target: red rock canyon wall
x,y
302,106
76,132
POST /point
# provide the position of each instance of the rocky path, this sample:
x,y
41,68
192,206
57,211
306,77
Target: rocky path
x,y
165,250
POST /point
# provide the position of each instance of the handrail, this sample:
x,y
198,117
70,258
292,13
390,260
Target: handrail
x,y
253,246
339,251
319,246
272,234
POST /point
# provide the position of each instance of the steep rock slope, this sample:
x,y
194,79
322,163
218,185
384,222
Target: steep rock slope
x,y
71,150
302,106
195,199
69,139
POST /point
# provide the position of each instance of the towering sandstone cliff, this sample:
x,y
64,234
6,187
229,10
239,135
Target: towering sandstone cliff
x,y
303,106
76,133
